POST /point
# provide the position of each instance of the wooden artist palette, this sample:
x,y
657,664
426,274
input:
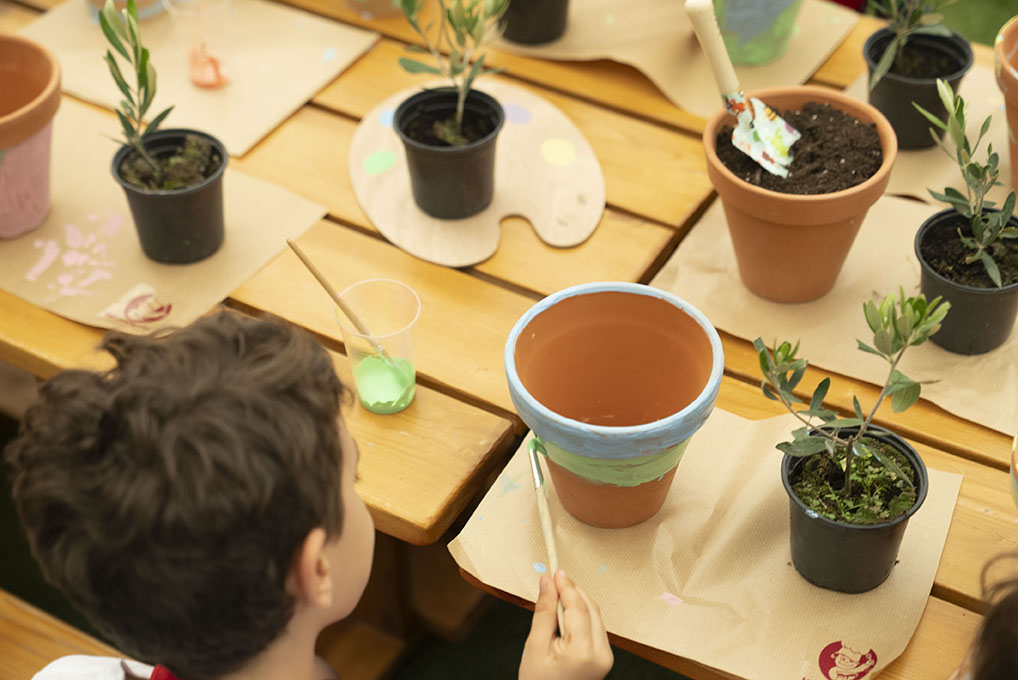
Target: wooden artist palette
x,y
545,171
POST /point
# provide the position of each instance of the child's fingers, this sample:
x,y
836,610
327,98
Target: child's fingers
x,y
577,616
598,632
544,627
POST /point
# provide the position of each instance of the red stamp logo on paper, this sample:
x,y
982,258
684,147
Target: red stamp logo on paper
x,y
839,662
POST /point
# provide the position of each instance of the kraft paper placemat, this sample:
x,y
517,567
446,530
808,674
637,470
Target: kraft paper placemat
x,y
281,57
85,262
545,171
916,171
655,37
703,271
709,578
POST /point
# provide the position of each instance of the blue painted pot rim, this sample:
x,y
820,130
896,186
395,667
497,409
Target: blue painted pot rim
x,y
603,441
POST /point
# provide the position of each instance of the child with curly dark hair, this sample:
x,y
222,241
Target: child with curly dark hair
x,y
197,503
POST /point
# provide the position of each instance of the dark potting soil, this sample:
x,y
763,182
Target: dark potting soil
x,y
920,61
836,151
187,165
944,251
876,496
426,128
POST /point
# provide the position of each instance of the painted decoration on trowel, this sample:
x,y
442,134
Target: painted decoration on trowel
x,y
545,171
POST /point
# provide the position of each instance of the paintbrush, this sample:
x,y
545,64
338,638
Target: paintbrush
x,y
544,512
350,314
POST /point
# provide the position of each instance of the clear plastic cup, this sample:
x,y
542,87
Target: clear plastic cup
x,y
204,29
389,309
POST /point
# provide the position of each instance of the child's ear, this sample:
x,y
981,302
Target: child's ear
x,y
311,575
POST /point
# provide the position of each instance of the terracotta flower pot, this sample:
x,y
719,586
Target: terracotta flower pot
x,y
29,98
614,379
790,247
1005,57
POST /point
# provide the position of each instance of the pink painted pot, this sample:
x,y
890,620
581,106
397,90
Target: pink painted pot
x,y
29,99
1005,57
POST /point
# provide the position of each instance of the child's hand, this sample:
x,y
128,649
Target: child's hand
x,y
583,653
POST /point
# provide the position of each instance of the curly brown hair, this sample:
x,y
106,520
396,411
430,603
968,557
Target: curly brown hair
x,y
996,655
167,497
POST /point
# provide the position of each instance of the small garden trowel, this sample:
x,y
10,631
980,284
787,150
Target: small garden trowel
x,y
760,133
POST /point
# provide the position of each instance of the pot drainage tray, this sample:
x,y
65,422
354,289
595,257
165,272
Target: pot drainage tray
x,y
703,271
709,577
545,171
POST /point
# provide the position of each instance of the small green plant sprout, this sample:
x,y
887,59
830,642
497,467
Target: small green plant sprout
x,y
979,179
905,19
464,28
123,35
897,324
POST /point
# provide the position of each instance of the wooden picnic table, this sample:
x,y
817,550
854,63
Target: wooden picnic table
x,y
421,468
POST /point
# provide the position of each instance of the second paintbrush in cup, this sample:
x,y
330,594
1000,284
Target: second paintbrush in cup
x,y
389,309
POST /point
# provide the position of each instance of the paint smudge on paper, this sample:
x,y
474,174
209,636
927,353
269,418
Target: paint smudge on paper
x,y
558,151
602,569
386,117
329,54
540,568
138,307
379,162
79,260
609,18
671,599
508,484
517,113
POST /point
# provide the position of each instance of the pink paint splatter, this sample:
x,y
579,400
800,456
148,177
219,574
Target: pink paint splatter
x,y
670,599
50,252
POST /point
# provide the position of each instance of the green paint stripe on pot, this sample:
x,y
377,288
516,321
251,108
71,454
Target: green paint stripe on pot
x,y
618,471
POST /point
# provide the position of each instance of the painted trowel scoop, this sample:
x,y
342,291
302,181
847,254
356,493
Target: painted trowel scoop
x,y
760,132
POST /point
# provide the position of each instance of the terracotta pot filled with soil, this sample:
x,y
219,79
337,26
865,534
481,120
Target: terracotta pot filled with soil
x,y
1005,57
178,212
450,182
982,315
925,59
791,235
614,379
843,556
29,98
535,22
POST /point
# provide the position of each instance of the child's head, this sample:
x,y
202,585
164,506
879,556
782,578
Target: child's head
x,y
996,652
195,498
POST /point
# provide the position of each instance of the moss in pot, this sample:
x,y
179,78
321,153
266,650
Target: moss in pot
x,y
852,486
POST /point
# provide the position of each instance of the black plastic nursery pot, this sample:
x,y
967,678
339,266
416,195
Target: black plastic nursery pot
x,y
177,226
894,93
849,558
535,22
451,182
981,319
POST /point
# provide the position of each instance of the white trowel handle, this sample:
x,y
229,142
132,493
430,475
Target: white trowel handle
x,y
701,14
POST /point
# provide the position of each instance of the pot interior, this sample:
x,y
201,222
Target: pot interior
x,y
613,358
25,72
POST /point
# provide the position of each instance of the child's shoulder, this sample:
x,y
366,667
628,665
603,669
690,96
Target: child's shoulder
x,y
81,667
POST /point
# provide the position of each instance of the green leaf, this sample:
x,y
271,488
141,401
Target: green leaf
x,y
109,11
905,396
884,341
991,268
156,122
766,365
904,327
143,69
414,66
866,348
111,33
934,29
129,132
930,117
475,71
150,90
886,461
118,77
819,393
869,310
884,65
857,408
416,49
842,423
767,391
799,448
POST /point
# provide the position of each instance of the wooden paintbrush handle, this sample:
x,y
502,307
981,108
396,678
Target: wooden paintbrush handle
x,y
701,15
